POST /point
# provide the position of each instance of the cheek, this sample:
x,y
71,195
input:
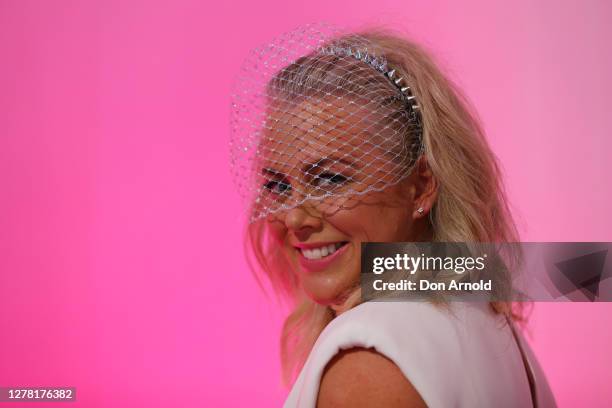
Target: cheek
x,y
348,222
374,223
276,230
397,225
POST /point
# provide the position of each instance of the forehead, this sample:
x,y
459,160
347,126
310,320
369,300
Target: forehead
x,y
309,130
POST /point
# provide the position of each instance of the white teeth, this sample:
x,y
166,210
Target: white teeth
x,y
318,253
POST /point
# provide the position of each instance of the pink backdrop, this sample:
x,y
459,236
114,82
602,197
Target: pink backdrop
x,y
121,269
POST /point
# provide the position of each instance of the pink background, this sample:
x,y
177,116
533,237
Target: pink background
x,y
121,268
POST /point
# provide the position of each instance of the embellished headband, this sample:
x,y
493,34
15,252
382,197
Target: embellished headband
x,y
380,64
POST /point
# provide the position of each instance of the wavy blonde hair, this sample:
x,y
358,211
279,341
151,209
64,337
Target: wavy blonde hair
x,y
471,205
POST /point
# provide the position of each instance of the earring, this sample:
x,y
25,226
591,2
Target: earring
x,y
420,210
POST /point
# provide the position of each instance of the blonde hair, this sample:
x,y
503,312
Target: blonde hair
x,y
471,205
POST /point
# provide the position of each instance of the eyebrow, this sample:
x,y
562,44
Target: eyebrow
x,y
272,172
309,166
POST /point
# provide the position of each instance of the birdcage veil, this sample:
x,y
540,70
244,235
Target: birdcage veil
x,y
319,116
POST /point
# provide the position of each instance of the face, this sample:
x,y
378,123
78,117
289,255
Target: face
x,y
324,173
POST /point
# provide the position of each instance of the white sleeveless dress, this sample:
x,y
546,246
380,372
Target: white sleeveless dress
x,y
460,356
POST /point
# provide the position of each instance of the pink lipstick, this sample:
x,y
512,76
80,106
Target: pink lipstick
x,y
315,265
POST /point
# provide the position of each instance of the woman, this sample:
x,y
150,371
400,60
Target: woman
x,y
340,139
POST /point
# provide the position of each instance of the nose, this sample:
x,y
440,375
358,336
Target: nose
x,y
302,221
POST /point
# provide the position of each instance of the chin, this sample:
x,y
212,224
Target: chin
x,y
326,291
330,285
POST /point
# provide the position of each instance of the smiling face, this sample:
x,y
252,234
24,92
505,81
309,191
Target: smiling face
x,y
328,170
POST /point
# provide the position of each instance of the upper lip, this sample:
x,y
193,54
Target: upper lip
x,y
311,245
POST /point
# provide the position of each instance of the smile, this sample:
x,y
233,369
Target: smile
x,y
322,251
317,257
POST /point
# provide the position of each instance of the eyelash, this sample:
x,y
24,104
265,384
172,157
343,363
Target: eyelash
x,y
270,185
333,178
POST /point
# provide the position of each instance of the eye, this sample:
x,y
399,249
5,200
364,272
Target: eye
x,y
277,186
329,179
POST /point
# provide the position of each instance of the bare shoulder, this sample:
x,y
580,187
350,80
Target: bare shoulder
x,y
361,377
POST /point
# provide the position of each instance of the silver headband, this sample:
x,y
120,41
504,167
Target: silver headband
x,y
381,65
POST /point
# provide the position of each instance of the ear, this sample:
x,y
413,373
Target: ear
x,y
425,188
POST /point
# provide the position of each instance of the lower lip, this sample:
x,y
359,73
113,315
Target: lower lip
x,y
315,265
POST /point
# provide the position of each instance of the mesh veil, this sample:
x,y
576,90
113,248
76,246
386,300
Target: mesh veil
x,y
320,118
